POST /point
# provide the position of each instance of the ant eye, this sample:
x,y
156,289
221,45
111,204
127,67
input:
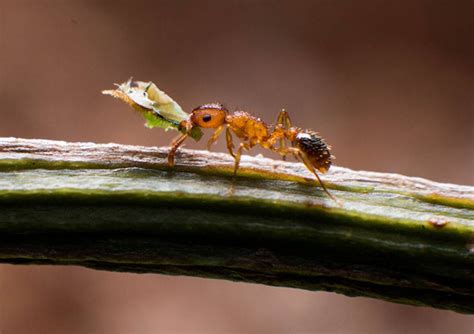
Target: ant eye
x,y
206,118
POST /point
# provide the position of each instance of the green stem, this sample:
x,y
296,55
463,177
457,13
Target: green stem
x,y
120,208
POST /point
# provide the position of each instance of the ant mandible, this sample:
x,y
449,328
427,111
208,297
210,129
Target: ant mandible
x,y
306,145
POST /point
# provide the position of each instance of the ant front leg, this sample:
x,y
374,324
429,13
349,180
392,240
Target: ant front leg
x,y
214,137
174,147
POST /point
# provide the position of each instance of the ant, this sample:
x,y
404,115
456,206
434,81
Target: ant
x,y
306,145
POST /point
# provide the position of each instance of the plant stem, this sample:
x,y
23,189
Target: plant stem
x,y
121,208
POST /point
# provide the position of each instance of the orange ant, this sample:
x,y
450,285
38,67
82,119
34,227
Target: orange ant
x,y
306,145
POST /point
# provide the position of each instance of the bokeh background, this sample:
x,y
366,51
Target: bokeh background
x,y
390,84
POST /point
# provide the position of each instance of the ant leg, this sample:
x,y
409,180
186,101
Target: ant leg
x,y
283,121
302,156
230,143
286,122
174,146
308,165
283,146
242,146
214,137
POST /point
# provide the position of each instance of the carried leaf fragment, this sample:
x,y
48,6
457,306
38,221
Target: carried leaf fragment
x,y
158,109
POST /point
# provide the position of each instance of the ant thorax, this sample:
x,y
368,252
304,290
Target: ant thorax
x,y
248,127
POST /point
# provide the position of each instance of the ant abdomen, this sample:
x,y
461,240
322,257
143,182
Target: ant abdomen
x,y
315,148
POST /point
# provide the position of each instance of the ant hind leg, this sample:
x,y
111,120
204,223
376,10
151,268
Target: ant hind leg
x,y
283,121
308,165
304,159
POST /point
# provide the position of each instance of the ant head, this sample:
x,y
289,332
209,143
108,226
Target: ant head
x,y
210,115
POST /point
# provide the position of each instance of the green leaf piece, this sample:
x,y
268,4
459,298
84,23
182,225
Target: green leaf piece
x,y
158,109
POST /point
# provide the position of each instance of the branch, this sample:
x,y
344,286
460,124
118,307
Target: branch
x,y
120,208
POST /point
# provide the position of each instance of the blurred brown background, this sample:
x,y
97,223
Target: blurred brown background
x,y
388,83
